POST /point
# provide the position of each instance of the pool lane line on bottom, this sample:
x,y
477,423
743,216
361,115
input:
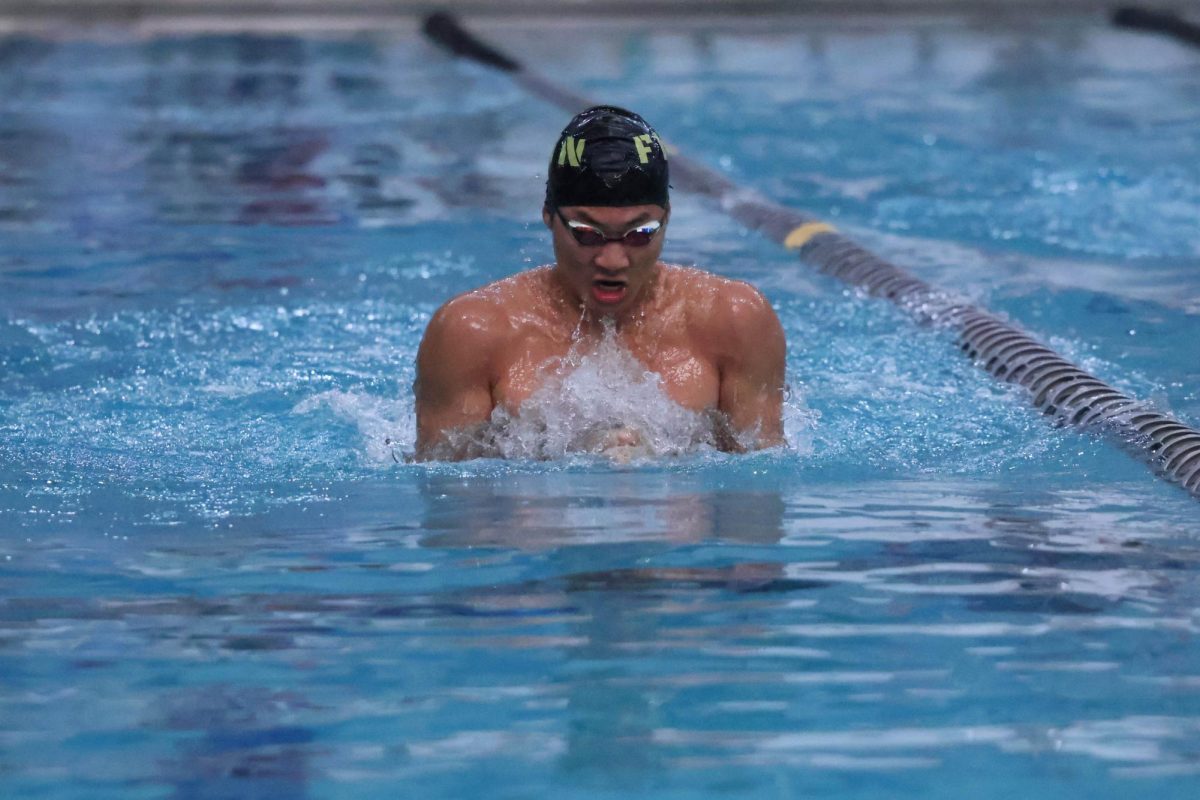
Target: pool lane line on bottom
x,y
1059,388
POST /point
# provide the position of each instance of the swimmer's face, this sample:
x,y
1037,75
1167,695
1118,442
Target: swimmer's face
x,y
609,278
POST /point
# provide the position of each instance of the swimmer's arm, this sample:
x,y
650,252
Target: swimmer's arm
x,y
453,387
752,369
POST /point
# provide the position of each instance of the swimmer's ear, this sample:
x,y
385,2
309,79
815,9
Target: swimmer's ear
x,y
547,218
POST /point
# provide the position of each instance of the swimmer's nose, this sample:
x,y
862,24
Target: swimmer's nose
x,y
612,256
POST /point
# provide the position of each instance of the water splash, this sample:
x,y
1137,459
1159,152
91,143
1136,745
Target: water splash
x,y
602,401
598,401
386,425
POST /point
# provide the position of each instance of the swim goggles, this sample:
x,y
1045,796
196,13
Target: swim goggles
x,y
589,236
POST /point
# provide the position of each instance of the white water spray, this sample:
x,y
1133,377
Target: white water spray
x,y
599,401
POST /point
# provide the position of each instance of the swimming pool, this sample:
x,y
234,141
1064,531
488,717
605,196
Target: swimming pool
x,y
218,254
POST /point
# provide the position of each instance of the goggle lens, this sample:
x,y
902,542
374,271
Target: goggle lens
x,y
587,236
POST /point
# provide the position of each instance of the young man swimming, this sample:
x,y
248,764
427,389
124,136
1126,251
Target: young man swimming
x,y
715,344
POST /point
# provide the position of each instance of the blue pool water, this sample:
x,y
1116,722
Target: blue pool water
x,y
219,577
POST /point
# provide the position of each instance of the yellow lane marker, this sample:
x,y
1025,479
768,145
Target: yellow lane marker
x,y
800,236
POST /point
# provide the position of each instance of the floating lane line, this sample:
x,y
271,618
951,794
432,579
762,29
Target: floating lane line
x,y
1157,21
800,236
1056,386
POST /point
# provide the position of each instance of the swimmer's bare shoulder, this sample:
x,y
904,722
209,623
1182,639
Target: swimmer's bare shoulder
x,y
737,326
456,363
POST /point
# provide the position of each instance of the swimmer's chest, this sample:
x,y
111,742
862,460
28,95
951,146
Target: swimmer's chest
x,y
689,376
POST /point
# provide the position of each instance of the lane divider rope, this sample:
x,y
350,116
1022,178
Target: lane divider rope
x,y
1056,386
1157,21
801,235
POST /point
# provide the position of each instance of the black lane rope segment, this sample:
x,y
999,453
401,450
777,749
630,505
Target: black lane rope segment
x,y
1157,21
1059,388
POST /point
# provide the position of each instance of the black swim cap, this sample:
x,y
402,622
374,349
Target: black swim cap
x,y
607,156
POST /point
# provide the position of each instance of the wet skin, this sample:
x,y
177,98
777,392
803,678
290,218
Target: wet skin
x,y
716,343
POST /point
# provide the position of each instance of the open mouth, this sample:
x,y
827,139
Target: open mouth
x,y
608,291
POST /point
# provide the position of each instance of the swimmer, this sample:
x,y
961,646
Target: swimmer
x,y
715,344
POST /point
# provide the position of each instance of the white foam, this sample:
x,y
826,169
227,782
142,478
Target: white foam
x,y
597,400
387,426
601,400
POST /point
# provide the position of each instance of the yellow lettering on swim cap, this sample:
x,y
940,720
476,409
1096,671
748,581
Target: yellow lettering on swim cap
x,y
666,148
571,151
642,143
